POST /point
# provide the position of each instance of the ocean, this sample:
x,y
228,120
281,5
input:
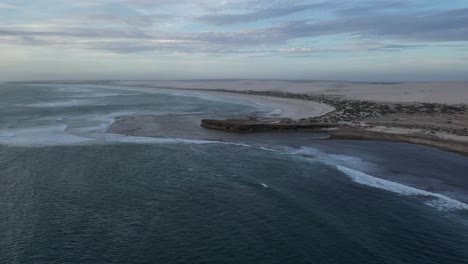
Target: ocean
x,y
72,193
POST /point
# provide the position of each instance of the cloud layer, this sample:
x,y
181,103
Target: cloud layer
x,y
228,27
235,38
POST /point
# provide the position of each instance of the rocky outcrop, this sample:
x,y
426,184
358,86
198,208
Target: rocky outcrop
x,y
249,126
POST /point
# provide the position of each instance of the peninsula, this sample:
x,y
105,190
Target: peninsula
x,y
433,114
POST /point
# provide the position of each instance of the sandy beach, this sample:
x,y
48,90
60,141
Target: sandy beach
x,y
284,107
451,92
281,107
432,114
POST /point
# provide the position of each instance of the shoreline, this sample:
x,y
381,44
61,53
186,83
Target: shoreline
x,y
351,119
359,125
453,146
248,126
282,107
446,92
289,108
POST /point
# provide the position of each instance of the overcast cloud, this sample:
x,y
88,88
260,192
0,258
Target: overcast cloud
x,y
235,27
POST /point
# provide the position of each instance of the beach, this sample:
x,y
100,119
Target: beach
x,y
431,114
450,92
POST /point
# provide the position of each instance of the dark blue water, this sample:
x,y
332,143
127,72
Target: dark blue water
x,y
160,202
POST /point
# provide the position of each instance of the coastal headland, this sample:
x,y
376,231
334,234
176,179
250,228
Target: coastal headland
x,y
432,124
343,110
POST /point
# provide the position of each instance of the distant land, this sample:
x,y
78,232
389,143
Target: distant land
x,y
427,113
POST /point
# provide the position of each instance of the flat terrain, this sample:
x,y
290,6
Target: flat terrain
x,y
454,92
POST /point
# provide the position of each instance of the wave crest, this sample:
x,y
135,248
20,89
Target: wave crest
x,y
439,201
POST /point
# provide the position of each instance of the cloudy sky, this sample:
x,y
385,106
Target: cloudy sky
x,y
375,40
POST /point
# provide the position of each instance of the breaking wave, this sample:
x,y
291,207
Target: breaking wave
x,y
437,200
352,166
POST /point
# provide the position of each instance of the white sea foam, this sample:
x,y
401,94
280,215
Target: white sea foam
x,y
267,149
84,129
353,166
437,200
275,112
59,135
94,95
38,136
111,138
333,159
73,102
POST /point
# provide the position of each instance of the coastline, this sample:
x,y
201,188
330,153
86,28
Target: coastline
x,y
458,147
448,92
438,125
355,124
283,107
343,133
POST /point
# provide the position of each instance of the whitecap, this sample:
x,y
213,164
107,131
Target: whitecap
x,y
333,159
353,166
439,201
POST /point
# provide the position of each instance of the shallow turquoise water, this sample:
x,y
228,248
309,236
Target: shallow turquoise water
x,y
69,194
